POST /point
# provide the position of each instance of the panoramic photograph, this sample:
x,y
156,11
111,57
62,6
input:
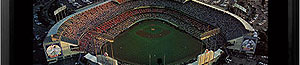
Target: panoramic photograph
x,y
150,32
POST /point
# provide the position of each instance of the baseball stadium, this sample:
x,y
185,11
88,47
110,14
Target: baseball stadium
x,y
144,32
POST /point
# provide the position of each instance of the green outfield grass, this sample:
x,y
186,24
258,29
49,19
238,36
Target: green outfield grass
x,y
157,39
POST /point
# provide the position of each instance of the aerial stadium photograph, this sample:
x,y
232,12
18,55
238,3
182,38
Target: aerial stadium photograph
x,y
150,32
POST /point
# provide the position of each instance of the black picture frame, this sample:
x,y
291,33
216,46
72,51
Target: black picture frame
x,y
293,32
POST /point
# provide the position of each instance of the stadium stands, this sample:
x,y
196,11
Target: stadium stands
x,y
117,25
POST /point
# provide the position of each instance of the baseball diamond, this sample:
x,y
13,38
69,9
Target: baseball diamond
x,y
141,43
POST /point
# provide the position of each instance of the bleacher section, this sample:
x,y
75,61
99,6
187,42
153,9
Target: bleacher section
x,y
110,29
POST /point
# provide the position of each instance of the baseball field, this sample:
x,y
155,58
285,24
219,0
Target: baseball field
x,y
155,41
